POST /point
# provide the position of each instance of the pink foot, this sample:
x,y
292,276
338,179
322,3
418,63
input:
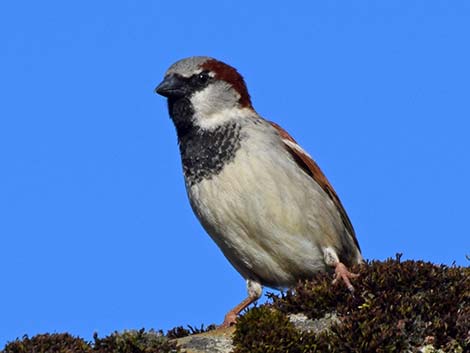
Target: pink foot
x,y
342,273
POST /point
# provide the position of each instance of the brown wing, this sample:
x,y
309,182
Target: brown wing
x,y
312,169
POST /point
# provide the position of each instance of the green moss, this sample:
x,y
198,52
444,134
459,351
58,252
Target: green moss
x,y
397,306
180,331
48,343
126,342
135,341
263,329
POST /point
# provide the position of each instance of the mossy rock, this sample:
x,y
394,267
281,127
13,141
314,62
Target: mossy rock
x,y
396,307
134,341
48,343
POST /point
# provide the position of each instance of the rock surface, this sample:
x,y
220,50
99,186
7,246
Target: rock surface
x,y
215,341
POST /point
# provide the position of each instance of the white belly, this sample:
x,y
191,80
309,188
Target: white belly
x,y
268,219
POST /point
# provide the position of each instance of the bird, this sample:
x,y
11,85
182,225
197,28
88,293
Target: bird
x,y
257,193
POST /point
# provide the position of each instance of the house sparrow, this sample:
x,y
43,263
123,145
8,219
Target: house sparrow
x,y
258,194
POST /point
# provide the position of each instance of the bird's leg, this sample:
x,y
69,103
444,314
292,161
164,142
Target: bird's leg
x,y
254,293
341,271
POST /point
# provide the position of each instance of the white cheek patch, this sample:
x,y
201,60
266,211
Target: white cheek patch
x,y
204,103
216,105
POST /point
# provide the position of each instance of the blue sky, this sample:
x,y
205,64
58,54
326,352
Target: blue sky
x,y
96,233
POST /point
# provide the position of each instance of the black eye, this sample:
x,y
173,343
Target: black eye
x,y
203,77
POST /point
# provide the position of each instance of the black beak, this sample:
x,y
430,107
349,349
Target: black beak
x,y
172,86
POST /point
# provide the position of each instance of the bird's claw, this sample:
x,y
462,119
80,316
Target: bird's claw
x,y
342,273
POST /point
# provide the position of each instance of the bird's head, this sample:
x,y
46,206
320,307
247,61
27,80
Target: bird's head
x,y
203,91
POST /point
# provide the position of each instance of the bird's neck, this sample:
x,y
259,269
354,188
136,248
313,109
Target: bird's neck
x,y
204,153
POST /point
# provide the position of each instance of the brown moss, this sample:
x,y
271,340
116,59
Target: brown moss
x,y
135,341
397,306
180,331
263,329
48,343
